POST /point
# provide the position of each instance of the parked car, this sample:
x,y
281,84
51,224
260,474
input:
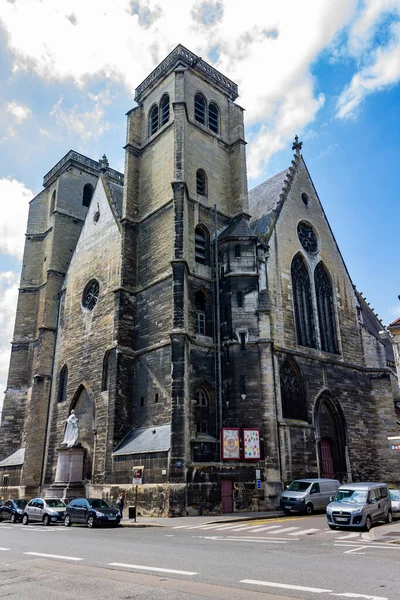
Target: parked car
x,y
308,495
47,510
12,510
92,511
395,498
359,505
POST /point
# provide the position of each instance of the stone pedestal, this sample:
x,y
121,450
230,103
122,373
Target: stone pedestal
x,y
70,465
69,474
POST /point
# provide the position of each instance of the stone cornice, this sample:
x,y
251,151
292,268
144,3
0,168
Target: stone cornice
x,y
80,160
181,56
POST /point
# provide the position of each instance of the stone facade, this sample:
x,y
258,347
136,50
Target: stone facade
x,y
184,337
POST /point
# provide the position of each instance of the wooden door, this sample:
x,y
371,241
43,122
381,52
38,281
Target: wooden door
x,y
227,495
328,469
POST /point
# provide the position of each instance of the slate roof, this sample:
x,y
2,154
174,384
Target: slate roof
x,y
116,193
264,202
149,439
14,460
374,326
238,227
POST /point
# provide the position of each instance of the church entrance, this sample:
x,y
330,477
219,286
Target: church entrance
x,y
84,410
331,437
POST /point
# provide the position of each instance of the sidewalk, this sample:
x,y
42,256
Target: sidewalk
x,y
385,533
200,520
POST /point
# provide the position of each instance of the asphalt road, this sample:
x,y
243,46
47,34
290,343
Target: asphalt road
x,y
292,558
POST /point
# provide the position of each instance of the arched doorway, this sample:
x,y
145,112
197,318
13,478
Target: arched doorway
x,y
331,438
85,411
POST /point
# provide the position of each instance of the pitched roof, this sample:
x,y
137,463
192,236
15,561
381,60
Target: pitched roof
x,y
264,203
374,326
395,323
15,459
116,192
238,227
149,439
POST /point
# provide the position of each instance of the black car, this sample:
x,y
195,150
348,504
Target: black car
x,y
92,511
12,510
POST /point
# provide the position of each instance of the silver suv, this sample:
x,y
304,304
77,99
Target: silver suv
x,y
46,510
359,505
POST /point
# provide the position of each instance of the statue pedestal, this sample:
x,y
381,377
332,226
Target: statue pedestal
x,y
69,474
70,465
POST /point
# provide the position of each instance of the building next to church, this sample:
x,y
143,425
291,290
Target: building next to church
x,y
214,376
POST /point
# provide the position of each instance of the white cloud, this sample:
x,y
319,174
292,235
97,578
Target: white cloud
x,y
15,204
88,125
8,306
379,66
19,112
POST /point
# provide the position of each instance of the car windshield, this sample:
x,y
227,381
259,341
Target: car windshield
x,y
299,486
55,503
351,496
20,503
395,495
98,503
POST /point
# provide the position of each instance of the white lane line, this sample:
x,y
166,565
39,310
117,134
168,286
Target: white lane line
x,y
53,556
230,526
253,540
180,527
284,531
285,586
268,528
305,532
4,549
241,528
356,550
348,536
159,570
366,597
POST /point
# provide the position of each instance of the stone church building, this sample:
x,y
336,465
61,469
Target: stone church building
x,y
209,339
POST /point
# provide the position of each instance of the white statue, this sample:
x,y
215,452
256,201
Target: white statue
x,y
71,432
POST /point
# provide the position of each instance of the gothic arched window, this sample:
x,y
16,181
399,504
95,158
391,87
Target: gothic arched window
x,y
202,411
292,394
326,315
303,310
62,384
201,245
107,362
200,108
88,190
213,117
164,109
153,120
201,182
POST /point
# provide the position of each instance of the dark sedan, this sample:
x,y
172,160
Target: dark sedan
x,y
91,511
12,510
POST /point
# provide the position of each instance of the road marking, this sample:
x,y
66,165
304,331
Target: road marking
x,y
366,597
4,549
285,586
239,528
180,527
219,538
266,528
285,530
159,570
5,527
53,556
305,532
355,550
348,536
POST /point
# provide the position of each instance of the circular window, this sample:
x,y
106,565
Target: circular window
x,y
305,198
307,237
90,294
96,216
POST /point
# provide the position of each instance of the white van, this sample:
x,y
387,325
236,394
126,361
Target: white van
x,y
308,495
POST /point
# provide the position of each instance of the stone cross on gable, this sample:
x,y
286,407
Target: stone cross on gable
x,y
297,145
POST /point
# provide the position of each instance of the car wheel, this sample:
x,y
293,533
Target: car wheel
x,y
1,518
90,522
389,518
368,523
13,518
309,509
331,526
286,511
46,520
67,521
25,520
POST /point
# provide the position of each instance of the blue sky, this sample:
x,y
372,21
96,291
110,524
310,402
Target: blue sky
x,y
326,70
